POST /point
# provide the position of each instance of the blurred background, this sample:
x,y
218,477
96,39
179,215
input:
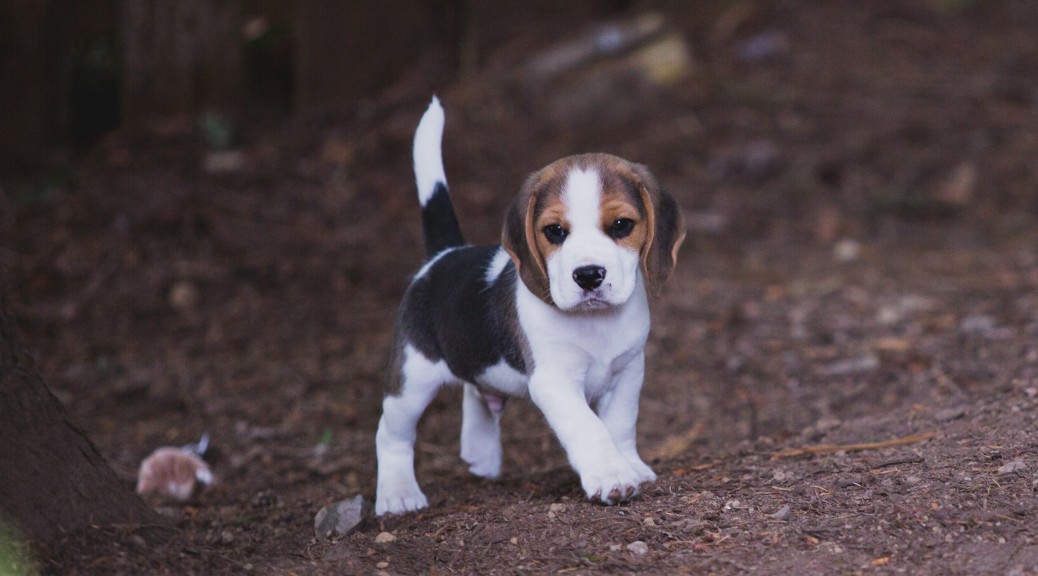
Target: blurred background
x,y
207,209
781,97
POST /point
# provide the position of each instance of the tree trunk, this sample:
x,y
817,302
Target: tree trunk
x,y
346,51
52,479
180,57
25,81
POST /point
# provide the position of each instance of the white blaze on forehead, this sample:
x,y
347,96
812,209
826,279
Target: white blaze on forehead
x,y
583,197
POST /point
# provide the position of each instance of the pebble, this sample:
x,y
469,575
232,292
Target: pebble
x,y
848,481
859,365
846,250
782,513
1017,465
554,509
905,305
638,548
342,517
948,414
384,538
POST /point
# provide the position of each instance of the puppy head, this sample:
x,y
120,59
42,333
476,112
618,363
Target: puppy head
x,y
583,228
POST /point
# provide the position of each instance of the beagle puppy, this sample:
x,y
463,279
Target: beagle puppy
x,y
558,313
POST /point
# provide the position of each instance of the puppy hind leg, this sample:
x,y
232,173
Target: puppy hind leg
x,y
480,434
397,488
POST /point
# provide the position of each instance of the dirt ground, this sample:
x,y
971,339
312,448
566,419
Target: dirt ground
x,y
842,374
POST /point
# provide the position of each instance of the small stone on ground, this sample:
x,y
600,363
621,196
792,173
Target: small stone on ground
x,y
341,518
638,548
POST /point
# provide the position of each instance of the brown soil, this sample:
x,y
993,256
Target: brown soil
x,y
862,270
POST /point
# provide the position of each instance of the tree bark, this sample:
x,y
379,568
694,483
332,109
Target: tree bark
x,y
24,78
346,51
180,57
53,481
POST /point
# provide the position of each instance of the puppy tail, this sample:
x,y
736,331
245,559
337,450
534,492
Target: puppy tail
x,y
438,219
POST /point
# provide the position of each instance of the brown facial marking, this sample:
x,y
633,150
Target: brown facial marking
x,y
551,211
523,231
621,198
618,208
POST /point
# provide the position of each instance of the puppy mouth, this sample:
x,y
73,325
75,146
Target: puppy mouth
x,y
593,304
594,300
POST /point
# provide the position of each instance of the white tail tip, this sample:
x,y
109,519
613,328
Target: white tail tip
x,y
428,157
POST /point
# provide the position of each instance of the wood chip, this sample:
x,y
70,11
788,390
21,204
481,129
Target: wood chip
x,y
678,444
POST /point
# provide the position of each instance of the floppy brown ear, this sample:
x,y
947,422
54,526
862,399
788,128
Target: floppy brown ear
x,y
666,230
520,241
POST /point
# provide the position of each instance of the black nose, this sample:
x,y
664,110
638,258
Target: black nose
x,y
589,277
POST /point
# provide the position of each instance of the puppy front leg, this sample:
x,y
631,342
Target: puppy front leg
x,y
480,434
604,473
618,410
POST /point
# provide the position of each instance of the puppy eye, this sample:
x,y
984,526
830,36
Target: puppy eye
x,y
621,228
555,233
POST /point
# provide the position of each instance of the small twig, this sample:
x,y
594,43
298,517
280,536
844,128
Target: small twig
x,y
830,448
896,462
689,470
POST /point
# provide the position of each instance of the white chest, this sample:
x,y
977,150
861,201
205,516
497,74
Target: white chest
x,y
591,347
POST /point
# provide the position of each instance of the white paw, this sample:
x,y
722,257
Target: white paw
x,y
611,484
641,470
484,459
485,469
399,499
